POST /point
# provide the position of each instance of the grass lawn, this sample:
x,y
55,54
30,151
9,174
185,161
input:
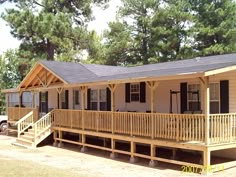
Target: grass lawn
x,y
9,168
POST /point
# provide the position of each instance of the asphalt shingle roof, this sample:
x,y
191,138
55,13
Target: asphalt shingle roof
x,y
82,73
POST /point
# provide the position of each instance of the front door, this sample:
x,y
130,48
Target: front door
x,y
43,102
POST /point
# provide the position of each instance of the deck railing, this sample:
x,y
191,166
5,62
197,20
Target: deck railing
x,y
222,128
179,127
16,113
176,127
24,123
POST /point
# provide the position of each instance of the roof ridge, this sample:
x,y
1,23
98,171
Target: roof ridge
x,y
88,69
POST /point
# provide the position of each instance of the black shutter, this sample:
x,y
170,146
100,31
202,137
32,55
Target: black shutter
x,y
142,92
183,96
127,92
224,96
66,99
88,99
108,99
46,104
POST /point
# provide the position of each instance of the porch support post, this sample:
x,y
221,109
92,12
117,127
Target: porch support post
x,y
206,86
20,101
152,162
59,91
206,161
153,86
112,88
60,137
55,137
113,155
33,99
83,90
132,152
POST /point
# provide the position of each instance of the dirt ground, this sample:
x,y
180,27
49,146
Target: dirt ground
x,y
88,164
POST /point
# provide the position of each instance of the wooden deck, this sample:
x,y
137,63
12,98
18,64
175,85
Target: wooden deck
x,y
172,131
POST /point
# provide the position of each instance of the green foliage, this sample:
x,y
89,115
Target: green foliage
x,y
215,26
118,45
170,31
13,69
151,31
138,14
50,28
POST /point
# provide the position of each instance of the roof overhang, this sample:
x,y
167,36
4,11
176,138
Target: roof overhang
x,y
40,77
220,70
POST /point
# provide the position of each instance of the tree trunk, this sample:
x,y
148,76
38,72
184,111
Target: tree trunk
x,y
50,50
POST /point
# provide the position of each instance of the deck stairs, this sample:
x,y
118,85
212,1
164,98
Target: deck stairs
x,y
30,134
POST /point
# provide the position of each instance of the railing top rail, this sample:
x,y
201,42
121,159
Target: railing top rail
x,y
224,114
24,118
21,108
73,110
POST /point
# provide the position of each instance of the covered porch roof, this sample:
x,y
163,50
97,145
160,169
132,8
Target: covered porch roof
x,y
50,74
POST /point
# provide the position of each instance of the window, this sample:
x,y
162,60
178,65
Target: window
x,y
134,92
98,99
76,97
103,99
214,98
194,97
94,99
13,99
26,99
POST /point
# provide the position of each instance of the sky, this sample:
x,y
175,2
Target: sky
x,y
102,17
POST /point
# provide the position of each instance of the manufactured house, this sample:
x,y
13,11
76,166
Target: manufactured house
x,y
187,105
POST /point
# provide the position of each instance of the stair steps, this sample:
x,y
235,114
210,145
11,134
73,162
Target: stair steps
x,y
28,139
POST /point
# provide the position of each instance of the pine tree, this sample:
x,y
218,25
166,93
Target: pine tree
x,y
215,26
48,28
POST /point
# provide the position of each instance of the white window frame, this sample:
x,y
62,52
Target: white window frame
x,y
132,91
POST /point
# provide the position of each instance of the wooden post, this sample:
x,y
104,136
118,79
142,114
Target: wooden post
x,y
60,137
230,128
207,109
59,91
113,147
8,102
33,99
20,101
112,88
54,137
83,90
153,86
206,161
152,162
132,151
83,149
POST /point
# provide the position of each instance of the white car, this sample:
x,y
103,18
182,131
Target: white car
x,y
3,124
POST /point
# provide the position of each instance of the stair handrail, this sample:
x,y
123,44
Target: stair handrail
x,y
24,123
43,124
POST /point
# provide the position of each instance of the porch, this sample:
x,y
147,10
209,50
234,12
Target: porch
x,y
171,131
